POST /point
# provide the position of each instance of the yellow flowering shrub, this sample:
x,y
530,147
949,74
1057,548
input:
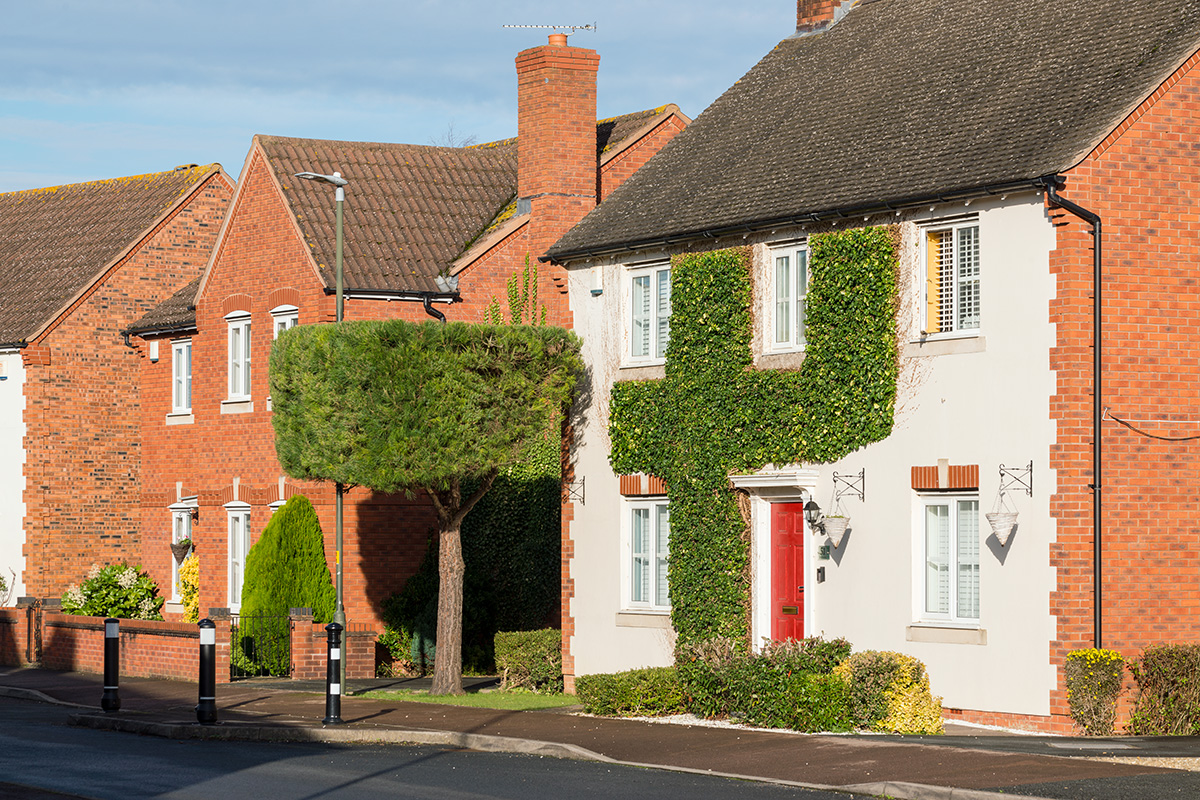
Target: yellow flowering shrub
x,y
890,692
189,587
1093,680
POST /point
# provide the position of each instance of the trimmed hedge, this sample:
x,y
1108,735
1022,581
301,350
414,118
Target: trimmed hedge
x,y
530,660
1168,699
650,692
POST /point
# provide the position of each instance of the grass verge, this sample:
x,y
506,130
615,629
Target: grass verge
x,y
504,701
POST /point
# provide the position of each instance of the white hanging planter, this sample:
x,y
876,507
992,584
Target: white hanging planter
x,y
1002,523
835,528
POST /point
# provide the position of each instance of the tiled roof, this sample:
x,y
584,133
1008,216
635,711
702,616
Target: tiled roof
x,y
409,209
176,313
54,242
901,100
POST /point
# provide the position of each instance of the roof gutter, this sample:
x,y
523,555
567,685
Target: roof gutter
x,y
1052,183
846,212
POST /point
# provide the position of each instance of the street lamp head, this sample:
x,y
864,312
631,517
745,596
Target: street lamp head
x,y
335,179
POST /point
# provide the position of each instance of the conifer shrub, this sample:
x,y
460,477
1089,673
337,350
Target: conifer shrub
x,y
285,569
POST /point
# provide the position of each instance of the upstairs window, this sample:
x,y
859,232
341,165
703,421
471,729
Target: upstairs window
x,y
239,356
650,312
789,290
181,382
952,280
285,318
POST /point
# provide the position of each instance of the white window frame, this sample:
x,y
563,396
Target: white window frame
x,y
181,528
284,318
785,310
181,376
644,574
959,294
238,546
958,559
239,363
648,315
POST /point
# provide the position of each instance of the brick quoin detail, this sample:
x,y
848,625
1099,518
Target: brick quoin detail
x,y
1144,182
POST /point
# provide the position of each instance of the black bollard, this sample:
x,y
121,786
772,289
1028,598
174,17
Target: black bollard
x,y
111,700
206,709
333,677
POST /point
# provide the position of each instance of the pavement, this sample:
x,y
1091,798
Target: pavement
x,y
965,764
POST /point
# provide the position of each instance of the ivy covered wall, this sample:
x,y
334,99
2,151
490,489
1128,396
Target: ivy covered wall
x,y
714,414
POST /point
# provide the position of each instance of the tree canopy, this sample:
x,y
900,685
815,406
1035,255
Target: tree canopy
x,y
396,406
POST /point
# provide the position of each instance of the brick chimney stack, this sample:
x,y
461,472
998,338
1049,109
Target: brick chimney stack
x,y
814,16
556,129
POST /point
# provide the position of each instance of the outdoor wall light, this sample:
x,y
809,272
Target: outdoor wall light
x,y
812,515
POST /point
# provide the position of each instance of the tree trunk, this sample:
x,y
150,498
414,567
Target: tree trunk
x,y
447,660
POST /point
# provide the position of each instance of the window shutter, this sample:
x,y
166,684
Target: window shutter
x,y
968,278
640,332
783,299
660,562
968,559
663,334
937,559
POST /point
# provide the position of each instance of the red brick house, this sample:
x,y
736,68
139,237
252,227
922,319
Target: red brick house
x,y
80,263
1017,149
412,214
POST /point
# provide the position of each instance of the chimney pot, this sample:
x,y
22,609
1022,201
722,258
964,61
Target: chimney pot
x,y
558,40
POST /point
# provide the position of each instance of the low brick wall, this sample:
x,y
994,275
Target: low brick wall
x,y
16,643
149,649
30,634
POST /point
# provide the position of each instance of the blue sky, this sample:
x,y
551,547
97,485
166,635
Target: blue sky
x,y
92,90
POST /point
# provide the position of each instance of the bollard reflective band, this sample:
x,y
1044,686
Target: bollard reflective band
x,y
110,630
208,636
335,688
203,698
335,653
106,688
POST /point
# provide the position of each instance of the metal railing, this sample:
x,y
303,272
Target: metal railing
x,y
260,645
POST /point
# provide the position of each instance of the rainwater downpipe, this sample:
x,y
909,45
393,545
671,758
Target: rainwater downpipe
x,y
1092,219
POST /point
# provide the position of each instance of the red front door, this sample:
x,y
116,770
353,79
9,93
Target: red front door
x,y
787,571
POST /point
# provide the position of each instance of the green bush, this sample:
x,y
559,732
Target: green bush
x,y
285,569
719,674
530,660
1168,697
650,692
117,590
890,692
1093,679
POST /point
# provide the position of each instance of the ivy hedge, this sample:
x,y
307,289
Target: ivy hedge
x,y
713,414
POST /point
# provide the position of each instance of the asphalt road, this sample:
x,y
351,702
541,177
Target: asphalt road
x,y
38,749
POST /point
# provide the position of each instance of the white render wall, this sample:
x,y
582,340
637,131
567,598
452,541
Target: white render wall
x,y
978,401
12,472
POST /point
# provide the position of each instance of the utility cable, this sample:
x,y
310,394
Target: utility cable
x,y
1138,430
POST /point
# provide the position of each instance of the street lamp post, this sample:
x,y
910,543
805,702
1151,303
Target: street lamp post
x,y
336,180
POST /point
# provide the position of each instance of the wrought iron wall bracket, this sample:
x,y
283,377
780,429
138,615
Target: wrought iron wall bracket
x,y
844,485
1019,478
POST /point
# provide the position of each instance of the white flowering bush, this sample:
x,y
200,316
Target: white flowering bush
x,y
117,590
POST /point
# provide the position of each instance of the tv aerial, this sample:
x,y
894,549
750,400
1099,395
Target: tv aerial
x,y
565,30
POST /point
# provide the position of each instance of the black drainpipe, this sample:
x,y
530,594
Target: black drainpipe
x,y
431,311
1093,219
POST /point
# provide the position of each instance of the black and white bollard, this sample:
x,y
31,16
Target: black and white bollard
x,y
333,677
206,709
111,700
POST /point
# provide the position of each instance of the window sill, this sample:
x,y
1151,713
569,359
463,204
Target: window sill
x,y
644,619
173,607
945,633
782,359
945,347
643,372
180,418
237,406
